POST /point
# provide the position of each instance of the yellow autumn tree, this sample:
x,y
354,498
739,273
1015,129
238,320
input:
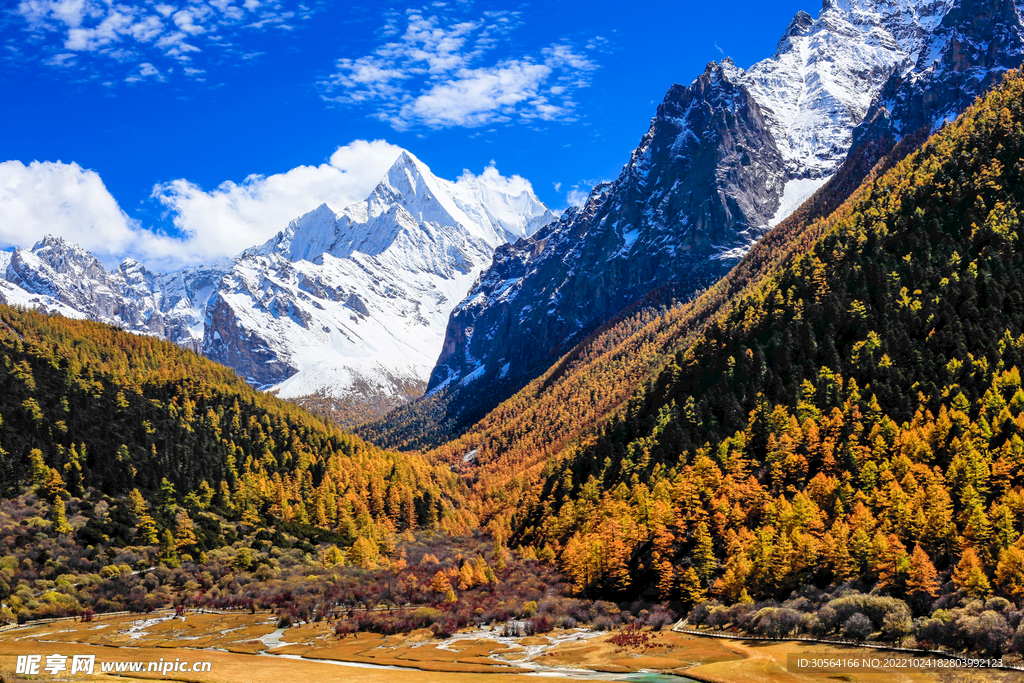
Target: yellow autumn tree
x,y
969,575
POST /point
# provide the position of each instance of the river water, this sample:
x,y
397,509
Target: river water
x,y
524,659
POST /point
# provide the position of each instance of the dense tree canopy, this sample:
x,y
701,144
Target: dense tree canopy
x,y
84,405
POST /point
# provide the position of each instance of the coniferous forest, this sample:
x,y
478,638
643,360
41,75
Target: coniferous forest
x,y
830,440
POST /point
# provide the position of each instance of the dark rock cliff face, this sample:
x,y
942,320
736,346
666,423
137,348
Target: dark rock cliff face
x,y
230,342
690,201
976,43
696,193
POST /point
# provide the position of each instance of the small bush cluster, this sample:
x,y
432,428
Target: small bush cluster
x,y
993,627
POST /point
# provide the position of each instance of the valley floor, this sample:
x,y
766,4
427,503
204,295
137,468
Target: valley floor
x,y
231,643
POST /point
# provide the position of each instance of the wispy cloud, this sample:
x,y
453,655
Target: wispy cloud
x,y
578,194
437,73
104,34
144,72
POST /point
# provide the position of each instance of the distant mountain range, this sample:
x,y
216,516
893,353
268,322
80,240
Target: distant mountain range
x,y
336,305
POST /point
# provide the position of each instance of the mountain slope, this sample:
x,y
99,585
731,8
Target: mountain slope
x,y
652,225
724,160
84,405
861,399
573,400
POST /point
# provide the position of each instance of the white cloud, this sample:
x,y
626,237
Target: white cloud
x,y
117,32
146,70
61,199
577,196
234,216
479,96
513,185
433,75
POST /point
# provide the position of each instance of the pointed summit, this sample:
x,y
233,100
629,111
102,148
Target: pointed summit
x,y
407,173
409,180
799,26
409,184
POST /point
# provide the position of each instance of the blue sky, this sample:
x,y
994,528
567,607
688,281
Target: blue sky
x,y
163,102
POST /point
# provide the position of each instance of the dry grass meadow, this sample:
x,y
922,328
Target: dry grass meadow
x,y
246,648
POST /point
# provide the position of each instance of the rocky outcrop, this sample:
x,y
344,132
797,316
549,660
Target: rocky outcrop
x,y
976,43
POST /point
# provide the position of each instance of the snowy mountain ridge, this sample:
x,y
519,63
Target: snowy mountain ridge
x,y
335,304
59,276
825,75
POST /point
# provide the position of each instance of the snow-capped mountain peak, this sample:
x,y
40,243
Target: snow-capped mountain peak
x,y
358,300
339,302
305,238
408,200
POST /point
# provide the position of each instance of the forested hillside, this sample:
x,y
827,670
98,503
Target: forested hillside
x,y
856,414
84,405
589,386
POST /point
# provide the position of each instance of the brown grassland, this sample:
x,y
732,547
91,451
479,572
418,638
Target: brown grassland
x,y
230,642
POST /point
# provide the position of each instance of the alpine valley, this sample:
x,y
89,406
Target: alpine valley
x,y
765,384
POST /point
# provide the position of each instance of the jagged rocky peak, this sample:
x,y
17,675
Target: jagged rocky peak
x,y
56,267
799,26
711,135
486,206
694,195
64,256
825,74
134,274
407,183
131,267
